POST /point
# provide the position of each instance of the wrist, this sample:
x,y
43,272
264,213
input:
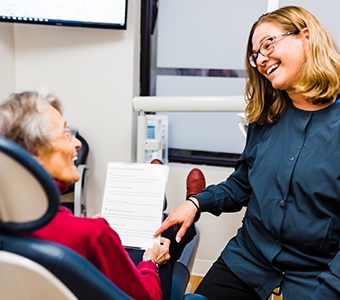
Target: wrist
x,y
195,202
152,260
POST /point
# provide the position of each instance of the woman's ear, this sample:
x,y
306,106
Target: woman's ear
x,y
305,33
38,155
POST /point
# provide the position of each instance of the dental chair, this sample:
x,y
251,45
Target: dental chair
x,y
183,267
79,189
31,268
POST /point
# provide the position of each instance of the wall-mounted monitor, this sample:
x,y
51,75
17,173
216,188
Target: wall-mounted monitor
x,y
110,14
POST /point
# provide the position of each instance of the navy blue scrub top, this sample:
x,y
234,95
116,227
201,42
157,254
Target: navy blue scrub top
x,y
288,176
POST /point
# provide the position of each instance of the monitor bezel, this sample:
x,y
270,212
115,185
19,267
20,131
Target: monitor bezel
x,y
66,23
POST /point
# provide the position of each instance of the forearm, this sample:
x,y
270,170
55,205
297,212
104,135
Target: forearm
x,y
109,256
216,199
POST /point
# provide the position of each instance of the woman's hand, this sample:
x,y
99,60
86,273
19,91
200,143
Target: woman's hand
x,y
159,252
183,215
97,216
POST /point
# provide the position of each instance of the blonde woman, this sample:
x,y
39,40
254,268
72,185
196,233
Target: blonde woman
x,y
288,175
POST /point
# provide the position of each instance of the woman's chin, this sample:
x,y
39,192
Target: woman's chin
x,y
75,179
71,180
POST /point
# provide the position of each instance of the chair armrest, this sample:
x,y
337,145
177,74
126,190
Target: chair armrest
x,y
189,252
183,266
194,297
78,187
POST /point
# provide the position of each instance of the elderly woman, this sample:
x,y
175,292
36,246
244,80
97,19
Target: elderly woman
x,y
35,122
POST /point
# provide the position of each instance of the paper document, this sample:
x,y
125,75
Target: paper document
x,y
133,201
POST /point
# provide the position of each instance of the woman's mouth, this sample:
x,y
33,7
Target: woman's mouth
x,y
272,68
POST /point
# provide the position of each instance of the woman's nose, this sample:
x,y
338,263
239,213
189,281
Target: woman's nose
x,y
77,143
261,59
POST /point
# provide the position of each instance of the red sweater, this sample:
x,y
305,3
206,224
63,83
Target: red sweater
x,y
95,240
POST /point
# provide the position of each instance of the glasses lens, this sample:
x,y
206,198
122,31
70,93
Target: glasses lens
x,y
74,132
252,61
267,47
70,132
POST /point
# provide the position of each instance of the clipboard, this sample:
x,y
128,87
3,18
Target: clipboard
x,y
133,201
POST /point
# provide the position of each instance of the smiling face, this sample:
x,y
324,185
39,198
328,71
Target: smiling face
x,y
282,66
58,157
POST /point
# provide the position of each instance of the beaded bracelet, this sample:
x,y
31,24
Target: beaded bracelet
x,y
150,259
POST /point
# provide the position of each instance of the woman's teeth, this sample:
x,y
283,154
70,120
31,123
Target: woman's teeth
x,y
272,69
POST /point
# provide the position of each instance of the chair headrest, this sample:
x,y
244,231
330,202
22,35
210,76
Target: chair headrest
x,y
29,198
83,151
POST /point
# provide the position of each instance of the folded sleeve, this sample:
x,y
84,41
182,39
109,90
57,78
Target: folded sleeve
x,y
329,287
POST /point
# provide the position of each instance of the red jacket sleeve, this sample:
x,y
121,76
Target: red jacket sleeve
x,y
95,240
109,256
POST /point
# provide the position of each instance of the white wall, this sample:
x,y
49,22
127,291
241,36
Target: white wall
x,y
7,59
95,72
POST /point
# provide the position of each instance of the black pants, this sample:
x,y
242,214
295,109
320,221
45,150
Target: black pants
x,y
221,283
175,250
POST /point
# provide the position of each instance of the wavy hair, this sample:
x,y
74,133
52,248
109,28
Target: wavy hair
x,y
320,73
23,119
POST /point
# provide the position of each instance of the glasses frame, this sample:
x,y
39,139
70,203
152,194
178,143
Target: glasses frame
x,y
253,57
69,132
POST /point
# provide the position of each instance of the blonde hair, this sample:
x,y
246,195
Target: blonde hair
x,y
320,73
23,119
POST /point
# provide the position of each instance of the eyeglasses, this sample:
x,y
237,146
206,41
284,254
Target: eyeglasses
x,y
68,132
267,47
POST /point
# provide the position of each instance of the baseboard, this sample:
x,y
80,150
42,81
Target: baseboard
x,y
201,267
